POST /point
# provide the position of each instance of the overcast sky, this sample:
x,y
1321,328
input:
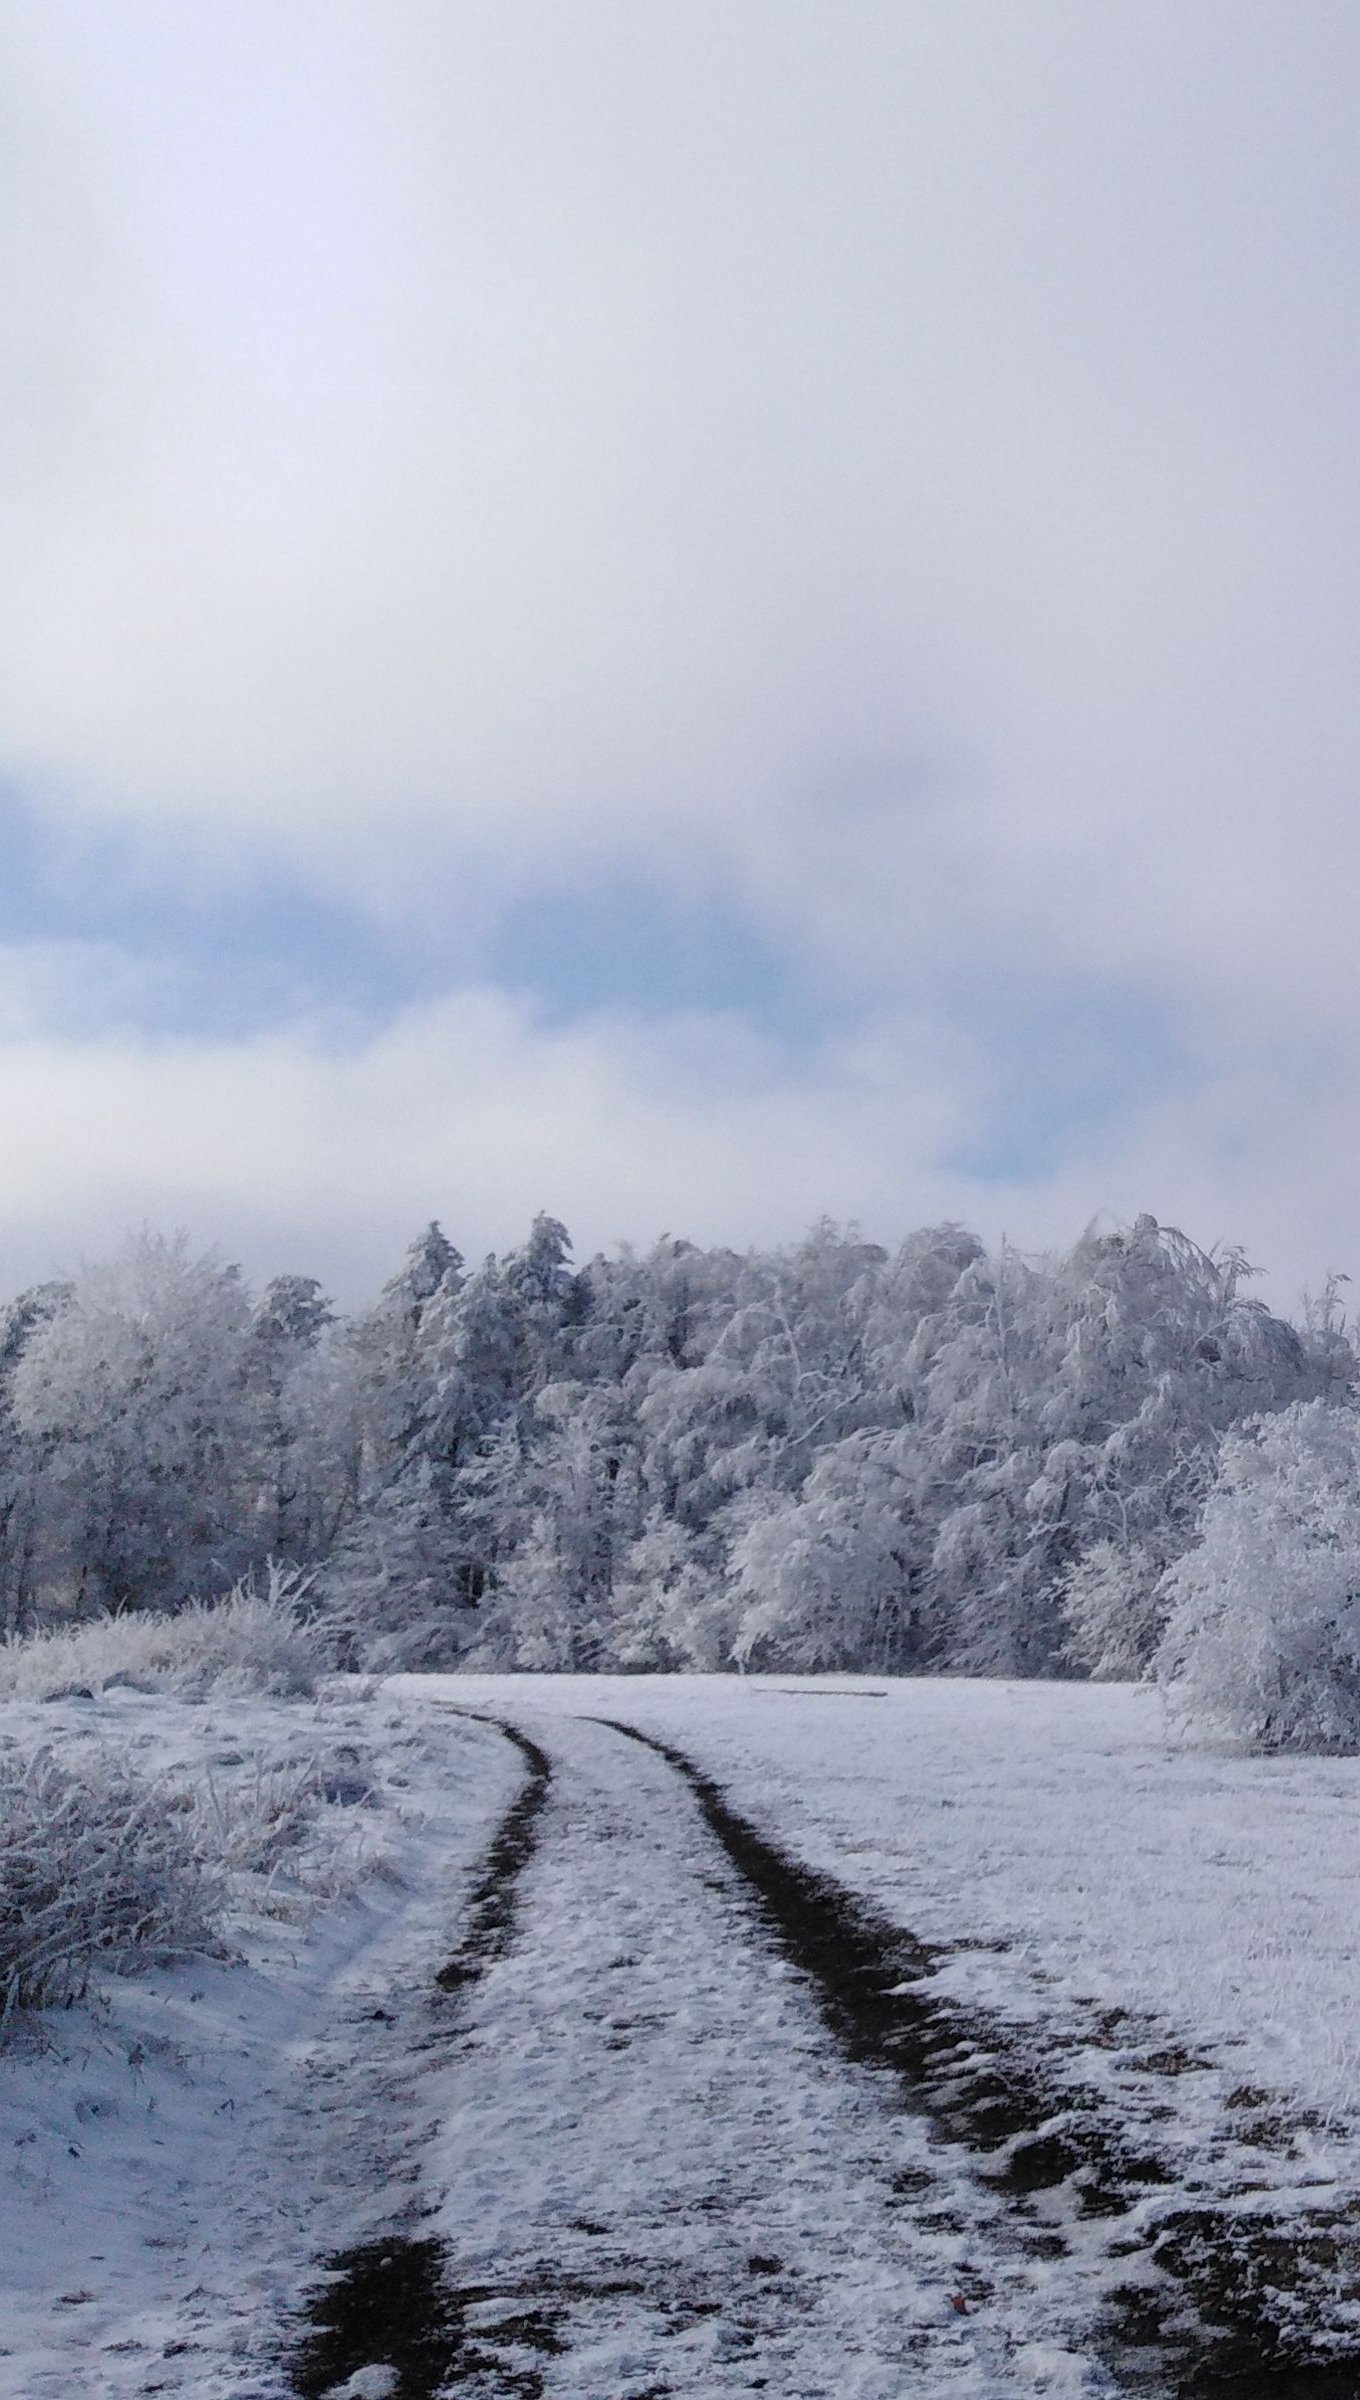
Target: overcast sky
x,y
688,615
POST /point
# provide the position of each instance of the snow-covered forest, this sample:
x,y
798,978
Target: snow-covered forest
x,y
820,1457
902,1968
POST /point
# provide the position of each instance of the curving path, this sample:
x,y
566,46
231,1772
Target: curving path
x,y
658,2174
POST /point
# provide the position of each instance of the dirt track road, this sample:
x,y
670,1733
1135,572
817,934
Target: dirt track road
x,y
698,2129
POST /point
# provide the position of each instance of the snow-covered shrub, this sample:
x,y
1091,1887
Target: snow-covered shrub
x,y
290,1831
1263,1638
253,1641
248,1824
97,1866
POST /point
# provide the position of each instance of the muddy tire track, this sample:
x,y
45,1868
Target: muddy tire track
x,y
1203,2304
392,2300
495,1896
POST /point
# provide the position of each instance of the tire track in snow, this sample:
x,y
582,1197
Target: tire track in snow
x,y
660,2180
387,2321
705,2282
1193,2298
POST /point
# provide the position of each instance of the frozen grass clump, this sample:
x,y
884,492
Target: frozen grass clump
x,y
252,1823
253,1641
292,1830
98,1867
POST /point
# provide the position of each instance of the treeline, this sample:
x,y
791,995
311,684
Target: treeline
x,y
945,1459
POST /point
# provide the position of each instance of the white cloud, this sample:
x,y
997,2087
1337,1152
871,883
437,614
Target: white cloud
x,y
290,1152
893,463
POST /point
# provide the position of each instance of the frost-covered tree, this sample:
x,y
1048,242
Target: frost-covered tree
x,y
387,1342
1115,1608
560,1531
1072,1409
395,1587
833,1577
20,1497
305,1389
1263,1635
133,1396
453,1364
671,1611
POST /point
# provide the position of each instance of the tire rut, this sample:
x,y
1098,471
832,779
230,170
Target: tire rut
x,y
392,2300
1207,2306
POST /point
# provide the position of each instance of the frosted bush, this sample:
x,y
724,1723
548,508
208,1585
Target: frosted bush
x,y
1263,1639
252,1641
100,1868
97,1867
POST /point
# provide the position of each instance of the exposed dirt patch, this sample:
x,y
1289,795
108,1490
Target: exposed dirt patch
x,y
386,2302
437,2336
1174,2061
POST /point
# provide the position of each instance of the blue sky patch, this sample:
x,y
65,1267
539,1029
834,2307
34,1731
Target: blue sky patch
x,y
163,956
631,946
247,955
221,962
1063,1060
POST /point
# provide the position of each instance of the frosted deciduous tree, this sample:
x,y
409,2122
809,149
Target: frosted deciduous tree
x,y
832,1578
133,1397
1263,1636
1161,1351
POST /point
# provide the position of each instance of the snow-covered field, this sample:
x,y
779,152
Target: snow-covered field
x,y
1120,1866
646,2153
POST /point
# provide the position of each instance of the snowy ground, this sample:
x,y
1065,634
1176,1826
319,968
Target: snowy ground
x,y
174,2156
646,2153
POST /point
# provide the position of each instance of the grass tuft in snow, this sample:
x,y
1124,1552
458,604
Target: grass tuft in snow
x,y
291,1832
252,1641
97,1867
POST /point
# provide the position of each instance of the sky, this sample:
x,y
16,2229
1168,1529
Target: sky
x,y
692,617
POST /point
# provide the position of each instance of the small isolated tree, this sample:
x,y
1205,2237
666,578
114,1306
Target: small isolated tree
x,y
1263,1636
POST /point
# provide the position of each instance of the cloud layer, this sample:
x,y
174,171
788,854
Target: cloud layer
x,y
877,483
